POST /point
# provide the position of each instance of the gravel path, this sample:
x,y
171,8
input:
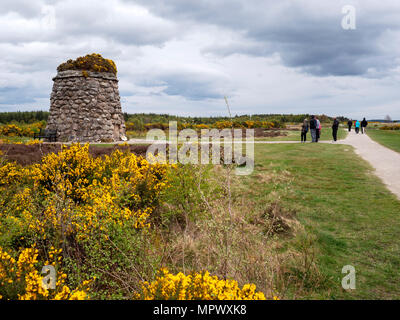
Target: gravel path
x,y
385,161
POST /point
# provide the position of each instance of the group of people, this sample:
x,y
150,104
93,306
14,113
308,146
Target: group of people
x,y
314,126
357,125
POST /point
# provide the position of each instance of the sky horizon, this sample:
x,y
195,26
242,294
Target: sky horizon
x,y
182,57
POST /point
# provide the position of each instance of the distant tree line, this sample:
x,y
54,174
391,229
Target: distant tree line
x,y
140,119
23,116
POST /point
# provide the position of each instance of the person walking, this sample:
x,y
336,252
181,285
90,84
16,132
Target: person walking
x,y
357,126
335,128
318,129
350,124
313,129
364,124
304,130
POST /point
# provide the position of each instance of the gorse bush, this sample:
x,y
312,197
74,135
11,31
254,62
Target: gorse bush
x,y
79,194
393,127
196,286
225,124
91,62
74,201
21,278
246,124
14,130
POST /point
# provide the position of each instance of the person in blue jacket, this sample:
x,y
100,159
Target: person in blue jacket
x,y
357,126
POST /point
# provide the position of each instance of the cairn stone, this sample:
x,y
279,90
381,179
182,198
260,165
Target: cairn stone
x,y
86,107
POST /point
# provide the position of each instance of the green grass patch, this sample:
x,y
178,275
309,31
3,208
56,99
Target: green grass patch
x,y
387,138
348,210
15,139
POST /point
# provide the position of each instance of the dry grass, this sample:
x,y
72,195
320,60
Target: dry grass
x,y
267,247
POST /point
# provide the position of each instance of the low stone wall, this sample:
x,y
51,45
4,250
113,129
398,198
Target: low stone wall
x,y
85,107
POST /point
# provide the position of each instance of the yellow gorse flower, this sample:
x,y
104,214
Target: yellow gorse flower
x,y
23,273
13,130
196,286
91,62
120,189
70,196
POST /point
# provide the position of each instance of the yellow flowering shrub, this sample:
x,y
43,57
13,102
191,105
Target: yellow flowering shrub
x,y
10,173
74,194
75,201
28,142
33,142
21,279
11,130
201,126
69,172
76,174
91,62
196,286
390,127
21,130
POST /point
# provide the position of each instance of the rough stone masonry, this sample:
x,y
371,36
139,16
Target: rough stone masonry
x,y
85,107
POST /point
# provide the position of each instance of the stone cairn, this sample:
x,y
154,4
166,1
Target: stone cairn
x,y
85,107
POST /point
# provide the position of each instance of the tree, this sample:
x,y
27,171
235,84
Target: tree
x,y
388,118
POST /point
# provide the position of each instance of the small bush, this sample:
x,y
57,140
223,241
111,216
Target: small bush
x,y
96,209
196,286
91,62
394,127
18,130
20,278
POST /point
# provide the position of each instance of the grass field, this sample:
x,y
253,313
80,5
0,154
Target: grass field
x,y
351,214
326,135
388,138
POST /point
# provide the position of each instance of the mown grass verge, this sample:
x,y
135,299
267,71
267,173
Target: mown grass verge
x,y
387,138
349,212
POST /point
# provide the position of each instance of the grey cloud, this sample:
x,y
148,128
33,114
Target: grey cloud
x,y
14,95
304,37
99,20
190,85
223,12
26,8
22,22
190,88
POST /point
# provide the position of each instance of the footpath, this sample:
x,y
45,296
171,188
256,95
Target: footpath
x,y
385,161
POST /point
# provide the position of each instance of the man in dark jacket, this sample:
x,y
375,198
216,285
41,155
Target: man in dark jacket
x,y
350,124
304,130
335,128
313,129
364,124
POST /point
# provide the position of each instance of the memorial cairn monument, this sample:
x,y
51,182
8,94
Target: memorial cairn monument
x,y
85,103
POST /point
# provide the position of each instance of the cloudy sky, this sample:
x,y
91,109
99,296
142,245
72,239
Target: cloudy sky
x,y
182,56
